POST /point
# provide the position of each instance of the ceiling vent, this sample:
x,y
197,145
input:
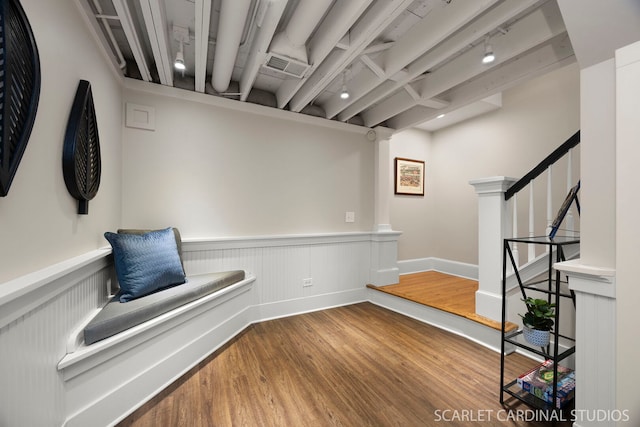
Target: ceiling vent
x,y
285,65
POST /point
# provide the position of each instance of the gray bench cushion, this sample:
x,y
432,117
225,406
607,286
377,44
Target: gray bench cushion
x,y
116,316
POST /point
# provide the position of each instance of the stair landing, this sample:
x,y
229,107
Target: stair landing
x,y
444,292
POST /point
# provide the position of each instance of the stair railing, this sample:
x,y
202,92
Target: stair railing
x,y
528,181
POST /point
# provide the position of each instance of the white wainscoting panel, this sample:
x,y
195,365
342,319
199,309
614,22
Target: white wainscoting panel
x,y
335,263
32,391
40,311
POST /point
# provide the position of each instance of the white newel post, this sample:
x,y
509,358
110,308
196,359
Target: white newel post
x,y
493,226
384,246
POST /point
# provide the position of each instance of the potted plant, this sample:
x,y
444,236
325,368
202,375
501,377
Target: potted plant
x,y
538,321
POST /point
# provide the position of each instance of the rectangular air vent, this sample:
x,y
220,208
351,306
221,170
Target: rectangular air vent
x,y
285,65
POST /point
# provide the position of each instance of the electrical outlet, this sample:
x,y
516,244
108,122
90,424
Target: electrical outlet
x,y
350,217
307,282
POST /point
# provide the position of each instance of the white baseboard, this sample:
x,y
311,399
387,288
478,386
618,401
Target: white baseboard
x,y
296,306
455,268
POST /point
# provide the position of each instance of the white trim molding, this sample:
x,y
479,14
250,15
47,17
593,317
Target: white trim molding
x,y
447,266
384,258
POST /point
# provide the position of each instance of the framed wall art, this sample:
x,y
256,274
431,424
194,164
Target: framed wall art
x,y
409,177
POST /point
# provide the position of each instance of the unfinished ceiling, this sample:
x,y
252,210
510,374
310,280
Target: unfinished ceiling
x,y
401,61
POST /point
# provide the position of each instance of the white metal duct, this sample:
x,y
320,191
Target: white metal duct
x,y
233,14
288,52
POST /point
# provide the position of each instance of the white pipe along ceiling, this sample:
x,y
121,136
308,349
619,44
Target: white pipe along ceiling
x,y
233,14
403,62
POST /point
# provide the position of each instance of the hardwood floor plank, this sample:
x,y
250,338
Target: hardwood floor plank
x,y
445,292
360,365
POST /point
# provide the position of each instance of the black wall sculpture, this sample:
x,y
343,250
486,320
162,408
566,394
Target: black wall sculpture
x,y
81,153
19,88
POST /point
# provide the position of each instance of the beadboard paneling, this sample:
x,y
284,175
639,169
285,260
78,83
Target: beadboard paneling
x,y
31,347
38,312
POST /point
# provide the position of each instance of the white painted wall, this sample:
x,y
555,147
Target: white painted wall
x,y
414,215
536,117
218,172
39,224
598,27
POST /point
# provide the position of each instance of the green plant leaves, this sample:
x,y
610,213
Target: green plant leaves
x,y
540,314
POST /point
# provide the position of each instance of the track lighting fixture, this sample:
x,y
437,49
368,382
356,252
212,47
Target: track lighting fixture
x,y
345,93
489,56
179,62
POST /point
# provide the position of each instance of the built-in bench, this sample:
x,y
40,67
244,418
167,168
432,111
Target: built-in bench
x,y
128,351
153,340
118,316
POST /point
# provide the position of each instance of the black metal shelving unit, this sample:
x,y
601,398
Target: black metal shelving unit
x,y
555,289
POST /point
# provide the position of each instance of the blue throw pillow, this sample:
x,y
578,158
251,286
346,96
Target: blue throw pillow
x,y
145,262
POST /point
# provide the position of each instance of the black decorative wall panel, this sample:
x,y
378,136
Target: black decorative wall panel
x,y
81,154
19,88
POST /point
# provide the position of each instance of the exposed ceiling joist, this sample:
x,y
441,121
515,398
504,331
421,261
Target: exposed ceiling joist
x,y
527,33
379,16
442,21
373,66
338,22
483,25
155,18
202,24
434,103
400,60
257,54
552,55
129,28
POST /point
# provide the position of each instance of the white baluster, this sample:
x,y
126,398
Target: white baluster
x,y
531,249
569,217
516,255
549,203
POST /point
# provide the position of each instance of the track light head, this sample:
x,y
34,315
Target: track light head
x,y
489,56
345,93
179,62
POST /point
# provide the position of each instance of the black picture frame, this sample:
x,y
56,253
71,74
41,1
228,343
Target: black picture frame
x,y
409,177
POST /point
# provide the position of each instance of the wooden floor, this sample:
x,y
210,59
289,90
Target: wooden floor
x,y
359,365
452,294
